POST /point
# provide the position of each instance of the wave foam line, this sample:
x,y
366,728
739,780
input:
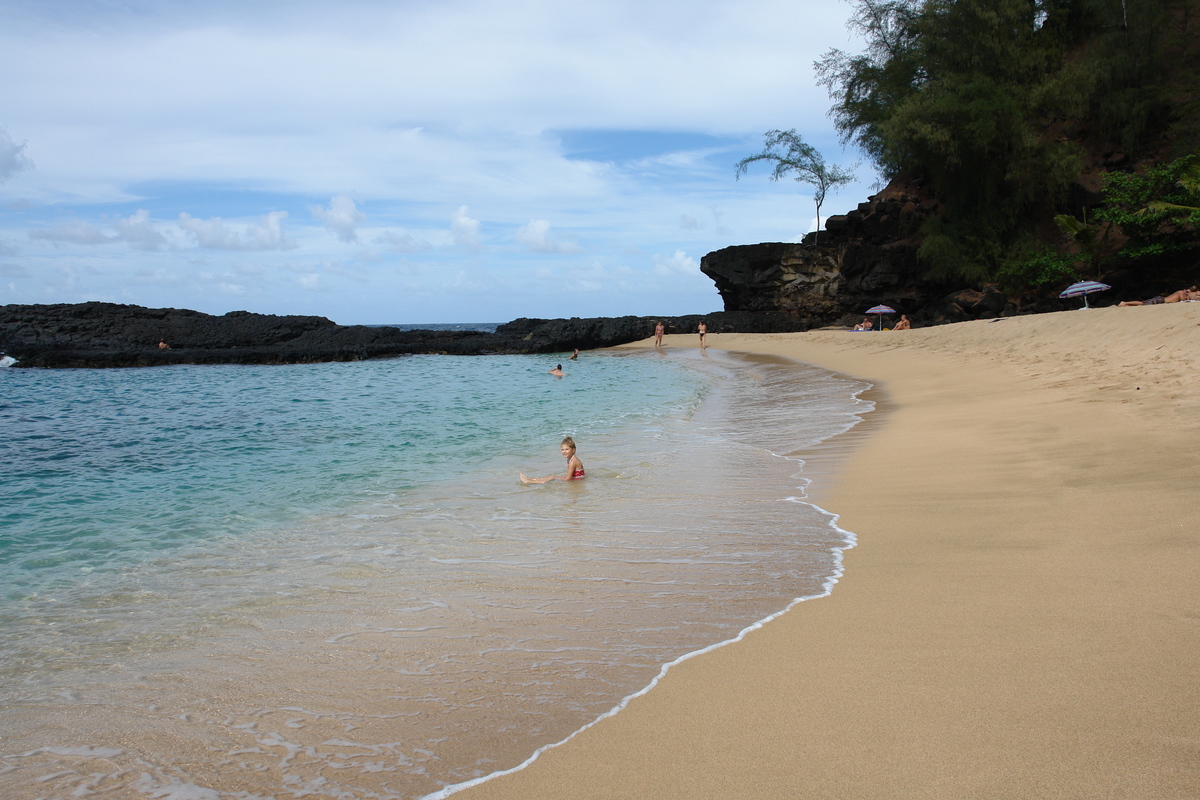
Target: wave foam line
x,y
827,586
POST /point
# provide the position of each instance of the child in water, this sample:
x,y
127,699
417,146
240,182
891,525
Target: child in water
x,y
574,465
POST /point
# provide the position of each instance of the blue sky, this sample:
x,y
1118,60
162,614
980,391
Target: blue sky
x,y
402,161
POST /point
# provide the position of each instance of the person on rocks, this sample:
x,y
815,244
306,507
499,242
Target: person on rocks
x,y
162,345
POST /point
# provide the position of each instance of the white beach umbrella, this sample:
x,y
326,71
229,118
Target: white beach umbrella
x,y
1083,289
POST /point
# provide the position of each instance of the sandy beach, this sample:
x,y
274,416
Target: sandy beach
x,y
1020,618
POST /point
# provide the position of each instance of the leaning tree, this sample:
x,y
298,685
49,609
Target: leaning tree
x,y
792,154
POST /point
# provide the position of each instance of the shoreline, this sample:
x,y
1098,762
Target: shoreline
x,y
1019,616
695,453
820,461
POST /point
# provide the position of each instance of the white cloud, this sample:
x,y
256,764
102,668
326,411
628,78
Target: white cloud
x,y
137,231
402,242
465,230
677,263
12,157
215,234
74,232
225,122
536,236
341,218
718,221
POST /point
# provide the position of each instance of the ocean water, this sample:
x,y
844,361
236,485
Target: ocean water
x,y
326,580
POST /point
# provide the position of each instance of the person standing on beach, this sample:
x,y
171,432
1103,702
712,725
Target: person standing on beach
x,y
574,465
702,329
658,334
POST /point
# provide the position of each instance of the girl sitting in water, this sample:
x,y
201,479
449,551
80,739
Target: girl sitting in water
x,y
574,465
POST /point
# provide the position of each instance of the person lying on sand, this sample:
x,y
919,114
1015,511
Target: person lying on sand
x,y
865,325
1182,296
574,465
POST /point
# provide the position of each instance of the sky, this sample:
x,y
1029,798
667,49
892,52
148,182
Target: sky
x,y
409,161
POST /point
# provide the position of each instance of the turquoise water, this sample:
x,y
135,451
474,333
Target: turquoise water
x,y
326,579
104,468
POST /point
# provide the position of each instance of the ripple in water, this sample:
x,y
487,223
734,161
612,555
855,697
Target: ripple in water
x,y
356,598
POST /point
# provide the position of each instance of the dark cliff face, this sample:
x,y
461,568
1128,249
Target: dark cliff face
x,y
862,259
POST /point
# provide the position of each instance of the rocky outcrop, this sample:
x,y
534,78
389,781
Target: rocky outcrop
x,y
863,258
860,260
111,335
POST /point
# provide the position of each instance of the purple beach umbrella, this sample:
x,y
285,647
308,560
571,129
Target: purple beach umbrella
x,y
880,311
1083,289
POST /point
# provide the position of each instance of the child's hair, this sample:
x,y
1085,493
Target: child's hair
x,y
569,442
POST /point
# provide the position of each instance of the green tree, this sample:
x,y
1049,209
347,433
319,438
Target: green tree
x,y
800,158
1091,239
1157,208
974,98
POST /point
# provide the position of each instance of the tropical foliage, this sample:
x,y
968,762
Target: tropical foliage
x,y
988,102
1158,208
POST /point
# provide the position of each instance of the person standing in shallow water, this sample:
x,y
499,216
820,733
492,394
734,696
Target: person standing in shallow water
x,y
574,465
702,329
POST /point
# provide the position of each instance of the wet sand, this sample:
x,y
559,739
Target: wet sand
x,y
1021,617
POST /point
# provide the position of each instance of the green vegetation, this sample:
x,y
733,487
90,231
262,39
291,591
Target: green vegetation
x,y
995,105
1044,268
800,158
1158,209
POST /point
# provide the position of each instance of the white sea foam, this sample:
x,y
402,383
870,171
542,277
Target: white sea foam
x,y
827,588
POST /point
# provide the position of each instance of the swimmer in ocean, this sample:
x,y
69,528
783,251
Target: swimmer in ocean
x,y
574,466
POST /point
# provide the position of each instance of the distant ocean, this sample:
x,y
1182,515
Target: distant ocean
x,y
325,580
482,327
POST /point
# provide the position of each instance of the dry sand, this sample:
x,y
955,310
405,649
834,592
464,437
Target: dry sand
x,y
1021,617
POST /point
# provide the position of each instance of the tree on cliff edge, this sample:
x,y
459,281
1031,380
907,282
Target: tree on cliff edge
x,y
802,159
